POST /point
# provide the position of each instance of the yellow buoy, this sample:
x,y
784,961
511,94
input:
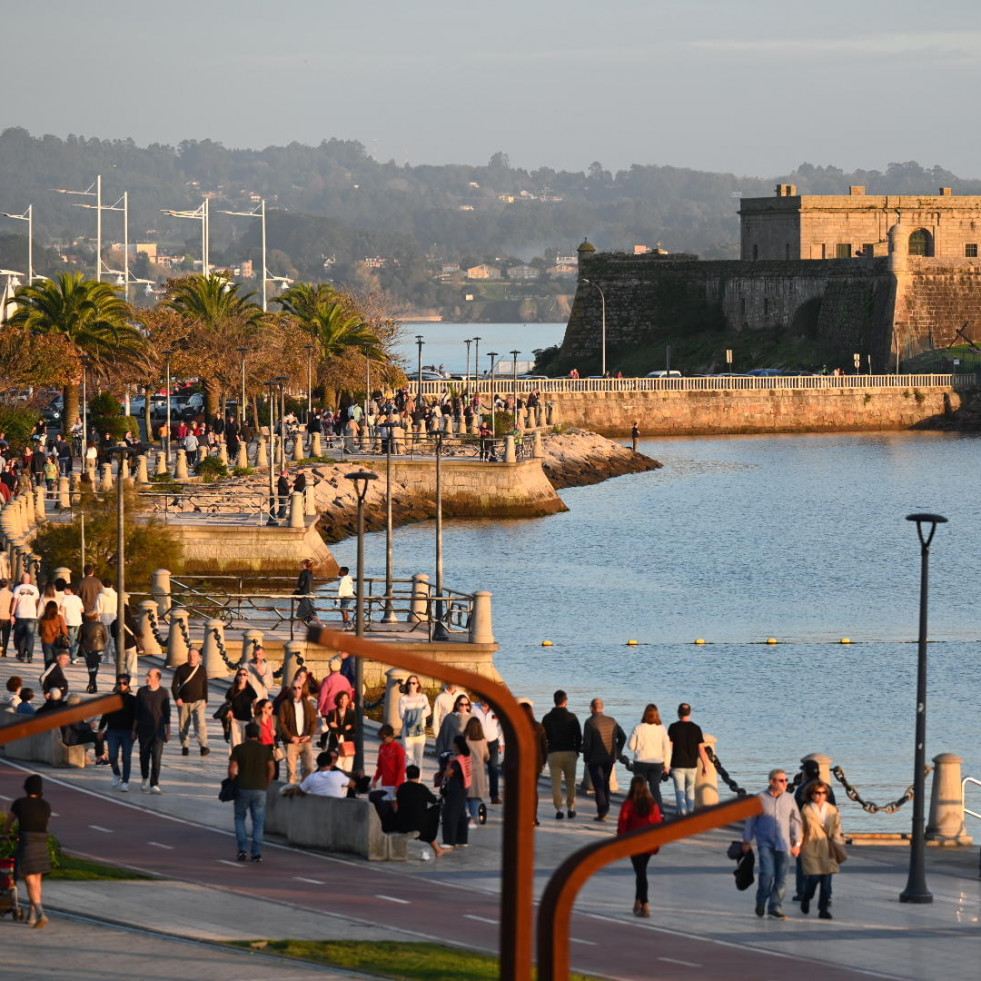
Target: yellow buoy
x,y
631,643
546,643
846,640
771,640
699,640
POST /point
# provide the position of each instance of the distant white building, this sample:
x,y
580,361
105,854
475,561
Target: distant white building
x,y
524,272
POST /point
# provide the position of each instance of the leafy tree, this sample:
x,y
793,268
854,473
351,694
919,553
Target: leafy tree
x,y
217,318
91,317
149,544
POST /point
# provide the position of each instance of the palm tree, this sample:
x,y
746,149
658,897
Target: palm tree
x,y
91,317
219,319
329,317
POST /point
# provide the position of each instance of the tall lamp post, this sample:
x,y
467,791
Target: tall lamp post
x,y
27,216
439,628
85,408
260,213
361,479
309,348
466,377
492,355
271,405
420,340
121,453
168,355
603,302
389,614
121,205
93,191
476,360
241,408
916,888
201,215
282,381
514,380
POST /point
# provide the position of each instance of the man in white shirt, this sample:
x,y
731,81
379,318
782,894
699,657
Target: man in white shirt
x,y
492,733
6,604
345,595
24,612
327,780
443,704
72,609
106,608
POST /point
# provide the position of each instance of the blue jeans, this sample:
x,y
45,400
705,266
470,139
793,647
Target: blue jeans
x,y
811,883
652,773
684,787
24,631
120,741
252,802
772,877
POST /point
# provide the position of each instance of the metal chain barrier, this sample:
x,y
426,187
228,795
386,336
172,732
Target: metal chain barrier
x,y
724,773
157,636
216,633
184,633
854,795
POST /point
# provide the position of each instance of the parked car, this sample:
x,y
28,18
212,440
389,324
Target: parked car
x,y
669,373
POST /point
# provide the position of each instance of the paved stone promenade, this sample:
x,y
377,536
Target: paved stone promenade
x,y
701,927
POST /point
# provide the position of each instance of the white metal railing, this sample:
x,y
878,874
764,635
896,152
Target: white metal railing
x,y
964,806
505,385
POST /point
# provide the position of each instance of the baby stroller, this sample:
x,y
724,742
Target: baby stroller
x,y
8,890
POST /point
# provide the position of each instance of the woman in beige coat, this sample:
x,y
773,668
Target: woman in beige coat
x,y
474,734
822,826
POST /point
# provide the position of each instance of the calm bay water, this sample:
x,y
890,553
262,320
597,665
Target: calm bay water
x,y
738,539
443,343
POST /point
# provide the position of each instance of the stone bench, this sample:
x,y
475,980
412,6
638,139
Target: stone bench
x,y
348,825
46,747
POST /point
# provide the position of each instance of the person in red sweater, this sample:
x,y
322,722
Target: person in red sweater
x,y
639,810
390,771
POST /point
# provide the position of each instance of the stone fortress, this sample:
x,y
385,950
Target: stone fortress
x,y
886,276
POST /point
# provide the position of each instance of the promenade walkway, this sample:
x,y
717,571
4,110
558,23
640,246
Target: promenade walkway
x,y
701,927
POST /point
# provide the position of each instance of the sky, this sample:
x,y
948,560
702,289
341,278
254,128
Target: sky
x,y
752,88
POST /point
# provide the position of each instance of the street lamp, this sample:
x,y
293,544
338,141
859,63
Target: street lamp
x,y
439,628
241,408
121,453
168,355
468,342
260,213
492,355
420,340
271,405
27,216
476,359
86,361
93,191
361,479
603,301
514,379
309,348
122,204
916,888
201,215
389,614
282,380
367,397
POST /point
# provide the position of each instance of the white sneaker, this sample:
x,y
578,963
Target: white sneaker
x,y
124,788
145,787
155,790
116,781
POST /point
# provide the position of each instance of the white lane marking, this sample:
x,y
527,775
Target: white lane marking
x,y
671,960
98,827
576,940
315,882
393,899
160,844
234,865
480,919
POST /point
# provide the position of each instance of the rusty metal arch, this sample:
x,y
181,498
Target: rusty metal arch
x,y
59,717
555,908
518,855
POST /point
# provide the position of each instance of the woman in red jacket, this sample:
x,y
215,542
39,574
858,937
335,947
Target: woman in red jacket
x,y
639,810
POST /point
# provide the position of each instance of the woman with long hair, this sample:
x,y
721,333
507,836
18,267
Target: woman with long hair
x,y
50,627
639,810
340,729
473,733
454,788
652,750
453,725
414,709
240,696
822,837
541,748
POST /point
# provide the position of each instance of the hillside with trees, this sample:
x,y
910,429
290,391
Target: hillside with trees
x,y
337,214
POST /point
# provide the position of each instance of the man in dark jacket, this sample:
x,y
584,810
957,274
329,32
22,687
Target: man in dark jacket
x,y
118,727
602,742
564,743
151,725
190,691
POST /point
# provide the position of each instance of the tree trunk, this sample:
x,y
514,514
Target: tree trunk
x,y
212,396
70,407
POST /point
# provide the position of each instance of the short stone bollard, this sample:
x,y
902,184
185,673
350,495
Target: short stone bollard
x,y
251,639
316,444
297,511
261,454
146,618
180,466
142,476
393,692
482,618
161,467
537,451
161,590
824,766
177,638
946,823
40,504
293,651
63,573
105,476
214,639
510,456
707,783
310,501
223,453
419,609
242,459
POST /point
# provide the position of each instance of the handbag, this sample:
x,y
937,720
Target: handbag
x,y
837,849
346,749
279,754
229,789
62,642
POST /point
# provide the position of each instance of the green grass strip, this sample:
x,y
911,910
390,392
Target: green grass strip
x,y
388,959
76,869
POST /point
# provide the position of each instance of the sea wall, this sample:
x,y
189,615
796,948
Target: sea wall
x,y
716,411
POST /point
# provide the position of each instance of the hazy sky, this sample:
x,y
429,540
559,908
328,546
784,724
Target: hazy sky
x,y
750,87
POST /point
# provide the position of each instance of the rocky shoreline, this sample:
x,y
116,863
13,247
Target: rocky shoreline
x,y
578,457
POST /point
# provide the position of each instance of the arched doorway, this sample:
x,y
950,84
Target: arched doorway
x,y
920,242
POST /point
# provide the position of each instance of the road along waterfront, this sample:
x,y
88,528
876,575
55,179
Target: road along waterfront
x,y
736,540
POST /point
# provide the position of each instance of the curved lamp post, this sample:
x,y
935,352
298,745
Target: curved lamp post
x,y
361,479
603,346
514,380
466,377
492,355
420,340
916,888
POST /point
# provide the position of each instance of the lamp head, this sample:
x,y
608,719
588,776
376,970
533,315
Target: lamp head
x,y
361,479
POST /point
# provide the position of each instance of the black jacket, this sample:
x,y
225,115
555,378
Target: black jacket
x,y
562,731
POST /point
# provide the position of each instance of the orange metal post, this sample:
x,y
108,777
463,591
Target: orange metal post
x,y
59,717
